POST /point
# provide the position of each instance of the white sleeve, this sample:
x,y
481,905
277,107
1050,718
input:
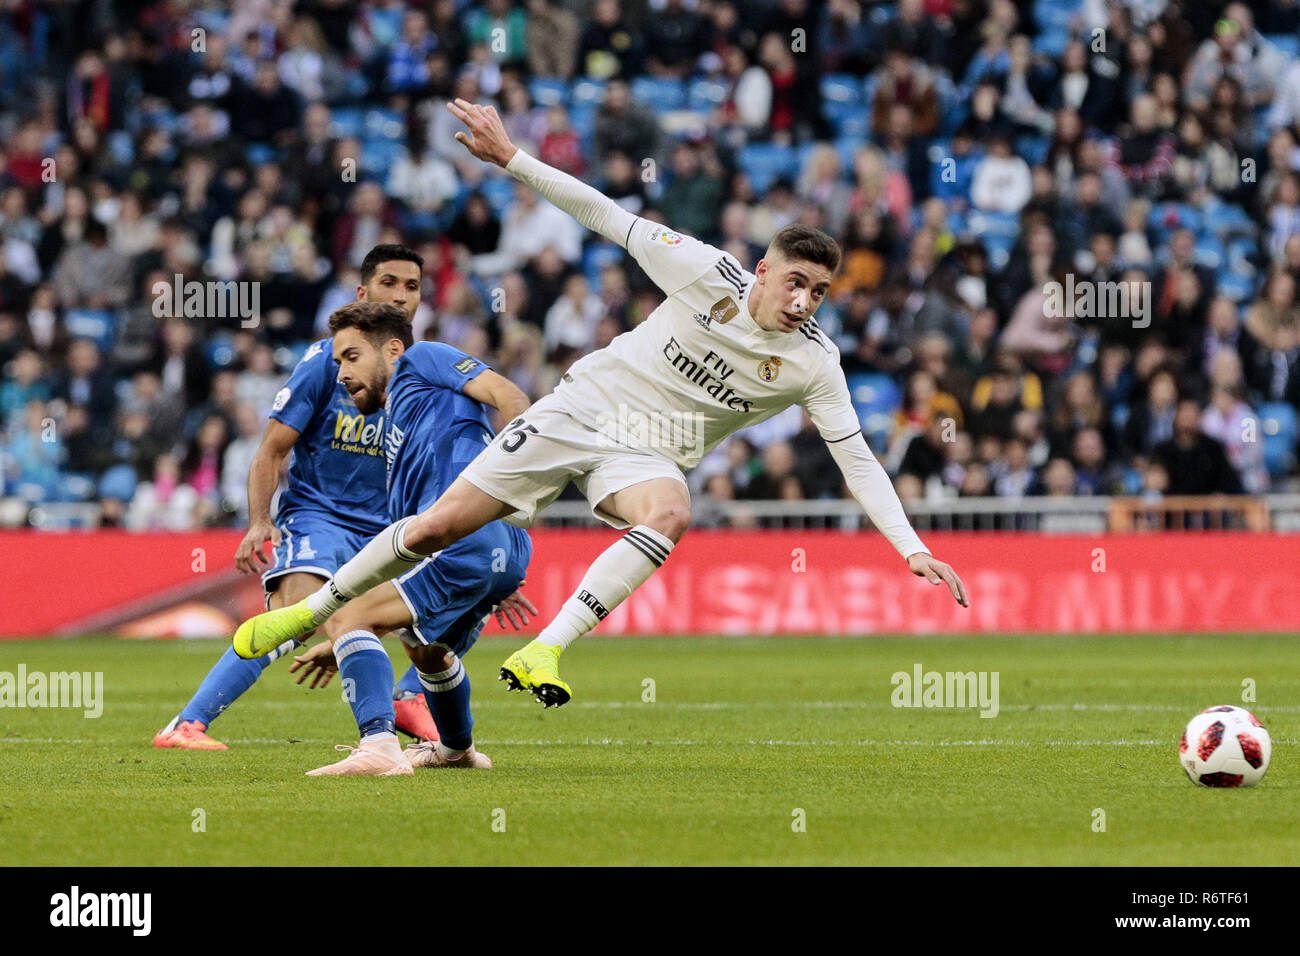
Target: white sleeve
x,y
671,260
870,484
830,407
589,206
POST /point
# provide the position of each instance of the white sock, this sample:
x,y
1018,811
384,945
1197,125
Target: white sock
x,y
621,569
383,737
447,752
385,557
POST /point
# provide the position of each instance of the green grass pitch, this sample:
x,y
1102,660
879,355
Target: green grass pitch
x,y
742,734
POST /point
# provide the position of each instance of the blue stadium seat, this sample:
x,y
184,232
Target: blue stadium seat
x,y
379,155
94,324
704,95
548,91
1167,216
582,117
1278,429
346,121
875,398
997,231
1225,220
1235,286
220,354
660,93
842,104
1288,43
288,356
499,191
767,162
1210,253
596,257
1052,42
847,147
591,92
854,123
384,124
259,153
1032,149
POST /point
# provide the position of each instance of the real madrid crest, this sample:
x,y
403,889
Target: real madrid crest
x,y
769,369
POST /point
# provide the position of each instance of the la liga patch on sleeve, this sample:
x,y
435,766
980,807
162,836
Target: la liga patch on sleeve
x,y
465,365
281,399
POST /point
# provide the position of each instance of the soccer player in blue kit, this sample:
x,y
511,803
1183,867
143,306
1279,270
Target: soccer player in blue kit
x,y
436,424
333,504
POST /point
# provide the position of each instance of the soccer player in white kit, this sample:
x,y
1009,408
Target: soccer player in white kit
x,y
725,350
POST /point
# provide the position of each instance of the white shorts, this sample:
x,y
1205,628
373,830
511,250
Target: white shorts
x,y
530,463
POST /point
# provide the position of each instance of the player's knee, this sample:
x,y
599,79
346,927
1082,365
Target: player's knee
x,y
669,519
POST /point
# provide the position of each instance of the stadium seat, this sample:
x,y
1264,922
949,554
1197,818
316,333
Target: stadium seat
x,y
661,94
94,324
1210,253
875,398
379,155
220,354
839,93
1052,42
855,122
345,121
591,92
384,124
499,192
1235,286
1167,216
1278,429
582,117
847,147
259,153
997,231
548,91
1288,43
288,356
767,162
1032,149
596,257
1226,220
705,95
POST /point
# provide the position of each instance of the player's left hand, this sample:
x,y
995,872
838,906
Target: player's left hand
x,y
515,609
937,572
318,663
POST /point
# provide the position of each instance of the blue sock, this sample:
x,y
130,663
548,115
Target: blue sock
x,y
447,694
229,678
367,675
410,682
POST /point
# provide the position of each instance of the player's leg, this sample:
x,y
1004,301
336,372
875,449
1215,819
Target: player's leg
x,y
461,510
232,675
659,512
367,677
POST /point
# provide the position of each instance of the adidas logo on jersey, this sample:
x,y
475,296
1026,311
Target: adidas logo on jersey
x,y
722,312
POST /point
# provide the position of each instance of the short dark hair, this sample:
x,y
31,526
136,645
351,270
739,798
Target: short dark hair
x,y
387,252
377,321
797,241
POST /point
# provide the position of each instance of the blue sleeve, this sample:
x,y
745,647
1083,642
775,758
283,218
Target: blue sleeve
x,y
314,377
442,365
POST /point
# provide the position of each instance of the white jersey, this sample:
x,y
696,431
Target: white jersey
x,y
699,367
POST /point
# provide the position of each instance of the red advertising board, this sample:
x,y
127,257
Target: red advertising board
x,y
729,582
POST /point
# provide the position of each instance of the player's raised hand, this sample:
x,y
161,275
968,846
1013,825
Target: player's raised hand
x,y
249,558
486,139
937,572
318,663
515,609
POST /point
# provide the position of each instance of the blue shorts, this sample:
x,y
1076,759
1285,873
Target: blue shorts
x,y
312,543
451,594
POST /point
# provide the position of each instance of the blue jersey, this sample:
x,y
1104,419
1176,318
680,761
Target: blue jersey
x,y
337,469
434,428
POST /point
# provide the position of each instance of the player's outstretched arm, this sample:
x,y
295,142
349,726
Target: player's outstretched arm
x,y
494,389
487,140
263,478
870,485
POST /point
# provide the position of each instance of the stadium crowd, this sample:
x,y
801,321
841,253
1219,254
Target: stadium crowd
x,y
966,153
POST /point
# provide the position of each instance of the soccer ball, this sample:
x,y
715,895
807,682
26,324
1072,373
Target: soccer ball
x,y
1225,747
